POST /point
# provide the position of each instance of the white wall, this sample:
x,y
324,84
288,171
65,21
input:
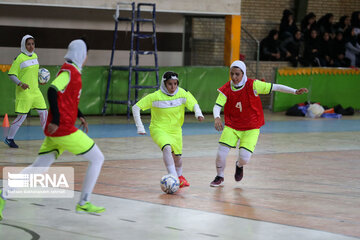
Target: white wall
x,y
222,7
98,15
87,19
51,17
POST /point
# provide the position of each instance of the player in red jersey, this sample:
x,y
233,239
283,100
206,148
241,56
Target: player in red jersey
x,y
61,133
243,117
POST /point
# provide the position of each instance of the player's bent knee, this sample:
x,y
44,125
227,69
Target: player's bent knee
x,y
101,157
244,156
44,160
95,155
243,161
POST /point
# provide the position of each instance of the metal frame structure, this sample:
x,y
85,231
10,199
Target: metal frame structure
x,y
136,35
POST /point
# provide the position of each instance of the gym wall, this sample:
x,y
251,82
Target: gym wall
x,y
202,82
54,25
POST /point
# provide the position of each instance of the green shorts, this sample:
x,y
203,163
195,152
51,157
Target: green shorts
x,y
76,143
248,139
162,138
27,102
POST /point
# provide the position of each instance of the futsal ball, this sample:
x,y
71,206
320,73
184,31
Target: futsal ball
x,y
44,75
315,110
169,183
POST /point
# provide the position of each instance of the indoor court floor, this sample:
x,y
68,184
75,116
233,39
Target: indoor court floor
x,y
303,182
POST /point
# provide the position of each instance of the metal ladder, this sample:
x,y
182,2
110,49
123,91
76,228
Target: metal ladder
x,y
135,35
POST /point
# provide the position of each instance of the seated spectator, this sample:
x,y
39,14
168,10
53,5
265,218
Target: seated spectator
x,y
326,51
326,24
290,48
343,24
311,51
339,51
270,47
355,21
287,25
308,23
352,47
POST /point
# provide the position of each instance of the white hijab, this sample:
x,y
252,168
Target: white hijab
x,y
23,45
76,52
163,87
241,65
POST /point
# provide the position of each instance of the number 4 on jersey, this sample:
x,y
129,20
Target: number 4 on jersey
x,y
239,106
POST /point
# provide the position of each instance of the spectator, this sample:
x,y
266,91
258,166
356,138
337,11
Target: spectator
x,y
352,47
311,51
290,48
355,21
308,23
326,24
339,51
287,26
343,24
270,47
325,51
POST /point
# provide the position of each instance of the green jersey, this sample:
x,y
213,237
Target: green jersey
x,y
26,69
167,112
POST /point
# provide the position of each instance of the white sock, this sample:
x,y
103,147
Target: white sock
x,y
15,125
40,165
96,159
244,157
169,160
178,164
221,159
43,117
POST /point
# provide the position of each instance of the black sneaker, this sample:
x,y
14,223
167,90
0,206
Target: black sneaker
x,y
11,143
239,173
217,182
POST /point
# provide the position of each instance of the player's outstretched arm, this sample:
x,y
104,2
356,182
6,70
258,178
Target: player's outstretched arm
x,y
286,89
137,119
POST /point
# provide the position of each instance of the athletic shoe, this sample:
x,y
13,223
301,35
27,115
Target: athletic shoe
x,y
89,208
239,173
183,182
2,206
218,181
11,143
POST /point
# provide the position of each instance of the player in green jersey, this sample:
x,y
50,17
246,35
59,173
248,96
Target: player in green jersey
x,y
24,73
167,117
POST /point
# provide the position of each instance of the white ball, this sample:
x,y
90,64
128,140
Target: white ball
x,y
44,75
169,183
315,110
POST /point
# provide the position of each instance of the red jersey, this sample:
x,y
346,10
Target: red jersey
x,y
68,101
243,108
